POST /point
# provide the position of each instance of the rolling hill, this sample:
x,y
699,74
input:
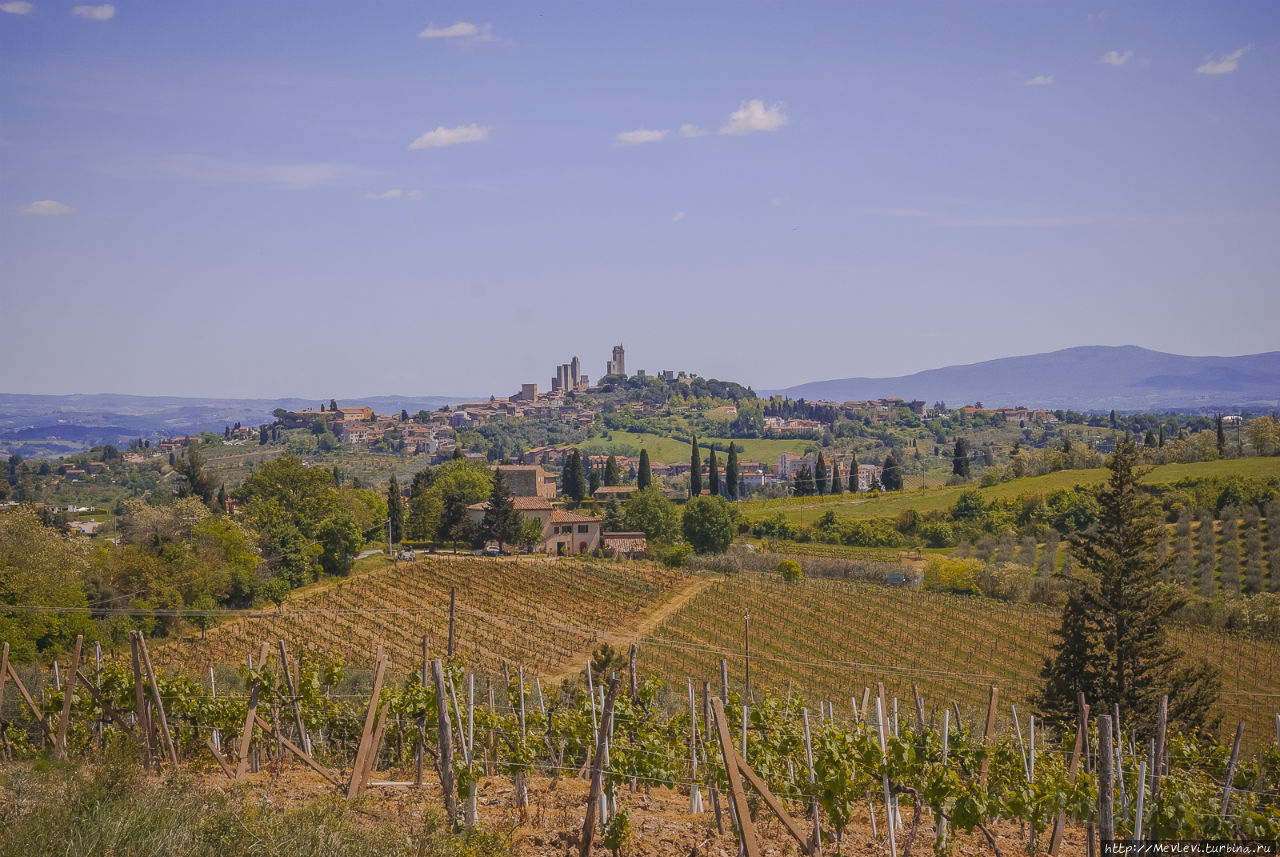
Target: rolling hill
x,y
1088,378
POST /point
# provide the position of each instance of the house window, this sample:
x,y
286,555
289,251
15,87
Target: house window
x,y
582,528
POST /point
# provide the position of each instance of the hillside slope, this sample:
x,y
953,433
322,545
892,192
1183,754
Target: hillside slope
x,y
1125,378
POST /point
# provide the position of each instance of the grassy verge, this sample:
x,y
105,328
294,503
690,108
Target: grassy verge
x,y
109,807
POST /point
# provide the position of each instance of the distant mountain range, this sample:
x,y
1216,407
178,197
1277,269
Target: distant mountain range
x,y
1090,378
58,425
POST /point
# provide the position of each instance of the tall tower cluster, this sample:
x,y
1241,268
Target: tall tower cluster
x,y
618,365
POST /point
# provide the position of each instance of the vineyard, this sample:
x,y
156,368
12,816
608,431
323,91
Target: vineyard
x,y
829,639
531,611
847,775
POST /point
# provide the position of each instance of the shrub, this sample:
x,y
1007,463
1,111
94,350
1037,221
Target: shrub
x,y
947,574
790,570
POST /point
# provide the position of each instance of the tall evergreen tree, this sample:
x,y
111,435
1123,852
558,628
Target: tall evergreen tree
x,y
222,498
960,459
804,486
501,521
395,509
612,475
593,481
731,474
573,480
837,479
695,470
853,474
820,475
1222,437
891,474
644,476
1113,644
457,453
713,474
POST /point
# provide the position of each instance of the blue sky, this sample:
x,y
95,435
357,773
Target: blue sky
x,y
269,199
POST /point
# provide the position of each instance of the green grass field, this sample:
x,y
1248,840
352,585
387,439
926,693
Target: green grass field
x,y
807,509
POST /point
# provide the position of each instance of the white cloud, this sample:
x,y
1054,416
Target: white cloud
x,y
754,116
1116,57
47,207
677,217
461,30
207,170
394,193
17,8
104,12
692,131
1039,80
443,136
1224,65
640,135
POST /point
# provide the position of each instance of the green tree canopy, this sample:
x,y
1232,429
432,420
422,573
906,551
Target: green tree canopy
x,y
644,476
649,512
708,524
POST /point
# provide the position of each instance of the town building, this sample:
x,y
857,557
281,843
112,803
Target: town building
x,y
618,365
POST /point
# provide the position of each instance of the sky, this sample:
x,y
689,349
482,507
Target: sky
x,y
337,198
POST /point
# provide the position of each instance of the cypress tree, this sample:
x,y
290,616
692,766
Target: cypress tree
x,y
695,470
853,474
222,498
837,480
612,476
804,482
713,474
457,453
573,482
395,509
1222,437
891,474
1113,644
731,472
960,459
593,483
820,475
644,477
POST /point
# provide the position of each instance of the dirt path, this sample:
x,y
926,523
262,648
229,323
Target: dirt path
x,y
622,638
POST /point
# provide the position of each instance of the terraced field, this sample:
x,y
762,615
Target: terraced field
x,y
536,612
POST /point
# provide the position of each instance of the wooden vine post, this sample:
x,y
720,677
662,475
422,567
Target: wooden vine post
x,y
140,702
1106,780
447,785
170,750
988,734
1060,822
597,771
60,742
366,736
746,827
